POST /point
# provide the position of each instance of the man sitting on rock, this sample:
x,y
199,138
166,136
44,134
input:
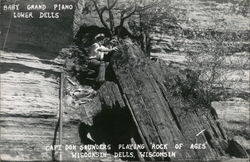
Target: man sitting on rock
x,y
97,54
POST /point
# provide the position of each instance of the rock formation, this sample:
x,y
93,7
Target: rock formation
x,y
161,114
29,109
29,84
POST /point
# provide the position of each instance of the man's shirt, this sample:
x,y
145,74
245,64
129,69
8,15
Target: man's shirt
x,y
98,51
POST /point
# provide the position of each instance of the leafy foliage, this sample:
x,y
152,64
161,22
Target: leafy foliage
x,y
214,61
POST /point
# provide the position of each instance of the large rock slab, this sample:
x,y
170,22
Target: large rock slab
x,y
164,112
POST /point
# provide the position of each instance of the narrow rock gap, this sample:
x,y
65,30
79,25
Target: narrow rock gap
x,y
208,138
122,93
215,133
154,126
213,113
146,141
221,131
54,140
170,107
112,126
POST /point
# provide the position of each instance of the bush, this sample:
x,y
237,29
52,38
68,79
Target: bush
x,y
213,60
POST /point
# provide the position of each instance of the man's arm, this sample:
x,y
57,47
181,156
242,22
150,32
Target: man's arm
x,y
92,57
105,49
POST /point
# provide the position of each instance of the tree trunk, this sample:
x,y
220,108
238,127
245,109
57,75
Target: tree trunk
x,y
111,19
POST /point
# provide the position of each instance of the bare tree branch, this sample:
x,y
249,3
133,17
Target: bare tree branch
x,y
123,18
148,6
111,16
103,9
100,14
130,14
113,5
137,9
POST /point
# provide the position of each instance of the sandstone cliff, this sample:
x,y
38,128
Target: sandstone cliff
x,y
30,84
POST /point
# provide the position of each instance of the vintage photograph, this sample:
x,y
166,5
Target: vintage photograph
x,y
125,80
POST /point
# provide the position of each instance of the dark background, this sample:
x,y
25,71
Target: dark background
x,y
39,36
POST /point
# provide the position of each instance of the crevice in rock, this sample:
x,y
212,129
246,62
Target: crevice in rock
x,y
208,138
144,140
44,116
235,149
150,117
221,130
213,113
53,151
215,133
139,136
113,126
127,107
174,117
170,107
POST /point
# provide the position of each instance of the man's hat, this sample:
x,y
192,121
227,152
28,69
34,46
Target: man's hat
x,y
99,36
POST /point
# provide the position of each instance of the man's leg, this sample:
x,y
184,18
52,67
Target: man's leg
x,y
93,66
102,71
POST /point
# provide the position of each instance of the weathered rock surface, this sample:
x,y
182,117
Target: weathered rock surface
x,y
30,83
234,116
29,108
163,115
